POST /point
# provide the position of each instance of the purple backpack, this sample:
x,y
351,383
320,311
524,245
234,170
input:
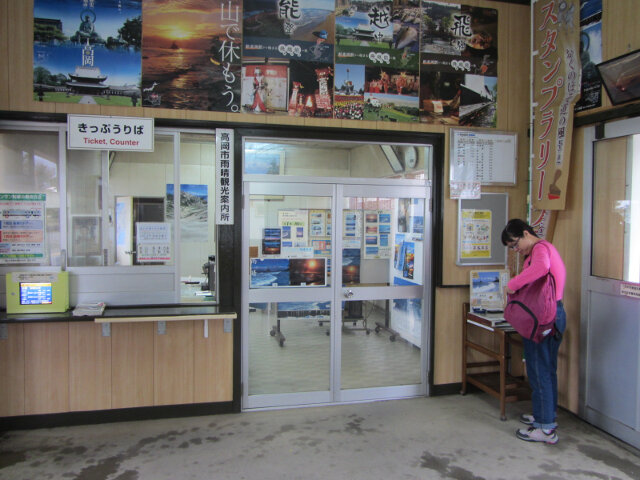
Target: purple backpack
x,y
532,309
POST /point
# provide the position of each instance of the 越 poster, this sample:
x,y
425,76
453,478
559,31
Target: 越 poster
x,y
192,55
85,50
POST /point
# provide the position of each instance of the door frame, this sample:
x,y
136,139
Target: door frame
x,y
337,189
601,286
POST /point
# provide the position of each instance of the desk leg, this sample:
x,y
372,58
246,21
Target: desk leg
x,y
463,391
503,377
275,332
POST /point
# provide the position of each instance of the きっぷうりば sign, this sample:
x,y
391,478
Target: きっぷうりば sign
x,y
91,132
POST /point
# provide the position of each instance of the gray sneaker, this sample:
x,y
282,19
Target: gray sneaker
x,y
533,434
527,418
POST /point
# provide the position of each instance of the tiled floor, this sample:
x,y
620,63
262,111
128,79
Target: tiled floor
x,y
302,363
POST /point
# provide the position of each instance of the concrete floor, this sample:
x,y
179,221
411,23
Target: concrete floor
x,y
423,438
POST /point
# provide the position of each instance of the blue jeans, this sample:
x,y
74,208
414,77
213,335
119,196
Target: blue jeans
x,y
542,365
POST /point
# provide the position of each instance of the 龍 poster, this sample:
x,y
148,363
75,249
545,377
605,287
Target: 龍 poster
x,y
87,51
192,55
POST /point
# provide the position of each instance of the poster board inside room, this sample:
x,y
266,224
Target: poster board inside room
x,y
480,223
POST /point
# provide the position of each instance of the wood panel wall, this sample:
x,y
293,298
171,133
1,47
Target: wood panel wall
x,y
70,366
16,94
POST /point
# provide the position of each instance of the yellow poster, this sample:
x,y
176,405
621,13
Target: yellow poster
x,y
475,234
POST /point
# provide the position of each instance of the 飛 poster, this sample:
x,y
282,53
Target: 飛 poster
x,y
192,55
458,65
87,50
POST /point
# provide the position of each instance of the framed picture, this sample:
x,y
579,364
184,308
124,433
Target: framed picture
x,y
621,77
86,235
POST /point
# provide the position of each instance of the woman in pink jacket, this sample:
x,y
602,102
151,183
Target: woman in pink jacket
x,y
541,358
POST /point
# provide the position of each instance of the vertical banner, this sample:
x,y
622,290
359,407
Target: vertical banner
x,y
556,88
224,176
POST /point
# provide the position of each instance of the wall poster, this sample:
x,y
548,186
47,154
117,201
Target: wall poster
x,y
590,54
22,227
458,65
475,234
153,241
85,49
379,60
294,225
377,230
352,224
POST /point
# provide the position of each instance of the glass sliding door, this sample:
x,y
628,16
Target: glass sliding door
x,y
382,246
336,273
288,361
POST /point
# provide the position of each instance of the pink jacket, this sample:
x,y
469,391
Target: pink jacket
x,y
537,264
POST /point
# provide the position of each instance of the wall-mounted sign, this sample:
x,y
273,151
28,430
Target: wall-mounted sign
x,y
224,176
22,227
93,132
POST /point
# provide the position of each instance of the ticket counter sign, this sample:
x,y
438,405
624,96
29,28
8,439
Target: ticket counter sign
x,y
22,222
91,132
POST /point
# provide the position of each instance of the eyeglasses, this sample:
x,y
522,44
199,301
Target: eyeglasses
x,y
515,245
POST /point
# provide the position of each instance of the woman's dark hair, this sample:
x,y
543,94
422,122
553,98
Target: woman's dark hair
x,y
515,228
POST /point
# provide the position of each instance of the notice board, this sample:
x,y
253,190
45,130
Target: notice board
x,y
485,157
480,225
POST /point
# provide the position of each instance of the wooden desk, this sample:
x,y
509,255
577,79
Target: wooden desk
x,y
498,383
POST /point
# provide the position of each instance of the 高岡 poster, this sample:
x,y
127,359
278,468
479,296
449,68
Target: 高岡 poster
x,y
87,51
192,54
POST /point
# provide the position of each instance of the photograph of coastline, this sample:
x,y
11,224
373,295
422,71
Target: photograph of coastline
x,y
186,62
269,272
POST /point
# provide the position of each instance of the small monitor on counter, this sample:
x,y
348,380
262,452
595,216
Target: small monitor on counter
x,y
37,292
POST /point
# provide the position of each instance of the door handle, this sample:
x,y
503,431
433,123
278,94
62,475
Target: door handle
x,y
348,294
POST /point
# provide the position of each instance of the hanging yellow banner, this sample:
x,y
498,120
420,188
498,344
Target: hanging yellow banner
x,y
556,83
